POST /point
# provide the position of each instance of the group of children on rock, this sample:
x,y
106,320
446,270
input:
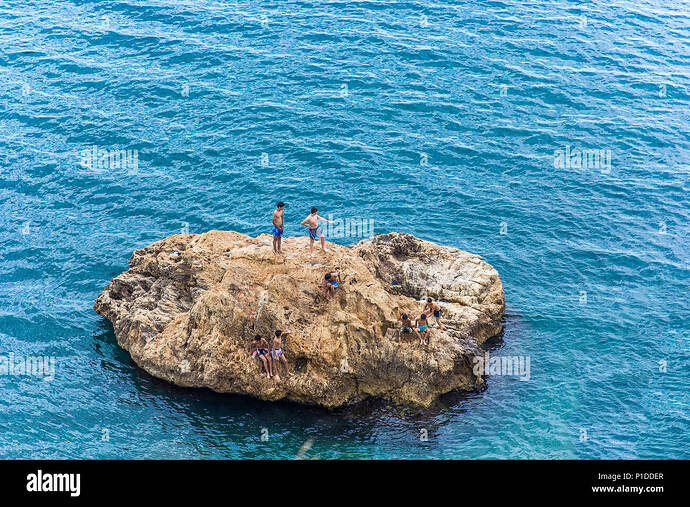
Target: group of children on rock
x,y
332,280
260,349
421,327
271,361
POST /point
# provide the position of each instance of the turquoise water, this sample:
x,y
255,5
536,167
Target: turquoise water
x,y
438,119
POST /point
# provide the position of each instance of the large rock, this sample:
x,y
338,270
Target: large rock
x,y
189,306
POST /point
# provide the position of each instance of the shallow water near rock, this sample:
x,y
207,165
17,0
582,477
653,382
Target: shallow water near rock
x,y
445,129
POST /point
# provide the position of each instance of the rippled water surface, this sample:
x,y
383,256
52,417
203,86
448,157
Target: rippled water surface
x,y
439,119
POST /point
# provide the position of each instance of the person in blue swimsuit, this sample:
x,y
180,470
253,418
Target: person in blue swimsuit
x,y
312,221
332,281
423,330
278,228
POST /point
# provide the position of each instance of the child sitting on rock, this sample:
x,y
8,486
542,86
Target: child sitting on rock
x,y
406,325
260,349
423,330
331,283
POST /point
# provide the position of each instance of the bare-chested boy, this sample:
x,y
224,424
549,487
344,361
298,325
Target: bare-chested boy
x,y
332,280
277,353
406,325
423,330
278,228
259,348
312,221
432,308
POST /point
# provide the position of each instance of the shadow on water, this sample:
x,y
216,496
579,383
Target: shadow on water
x,y
241,417
105,344
495,342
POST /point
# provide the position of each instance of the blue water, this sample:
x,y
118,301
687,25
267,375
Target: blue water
x,y
438,119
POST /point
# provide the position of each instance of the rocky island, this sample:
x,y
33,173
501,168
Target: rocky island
x,y
189,306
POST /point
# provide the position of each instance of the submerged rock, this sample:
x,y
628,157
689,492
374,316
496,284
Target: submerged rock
x,y
189,305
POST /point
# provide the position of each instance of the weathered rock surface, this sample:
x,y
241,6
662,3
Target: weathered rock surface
x,y
189,305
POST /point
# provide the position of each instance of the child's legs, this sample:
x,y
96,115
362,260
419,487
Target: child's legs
x,y
282,358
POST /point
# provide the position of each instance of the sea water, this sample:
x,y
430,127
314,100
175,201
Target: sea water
x,y
549,137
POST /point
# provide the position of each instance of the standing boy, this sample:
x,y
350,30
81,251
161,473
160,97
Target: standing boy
x,y
432,307
278,228
278,355
312,221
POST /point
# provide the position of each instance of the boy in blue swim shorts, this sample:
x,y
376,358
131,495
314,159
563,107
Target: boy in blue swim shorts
x,y
423,330
312,221
332,281
278,228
